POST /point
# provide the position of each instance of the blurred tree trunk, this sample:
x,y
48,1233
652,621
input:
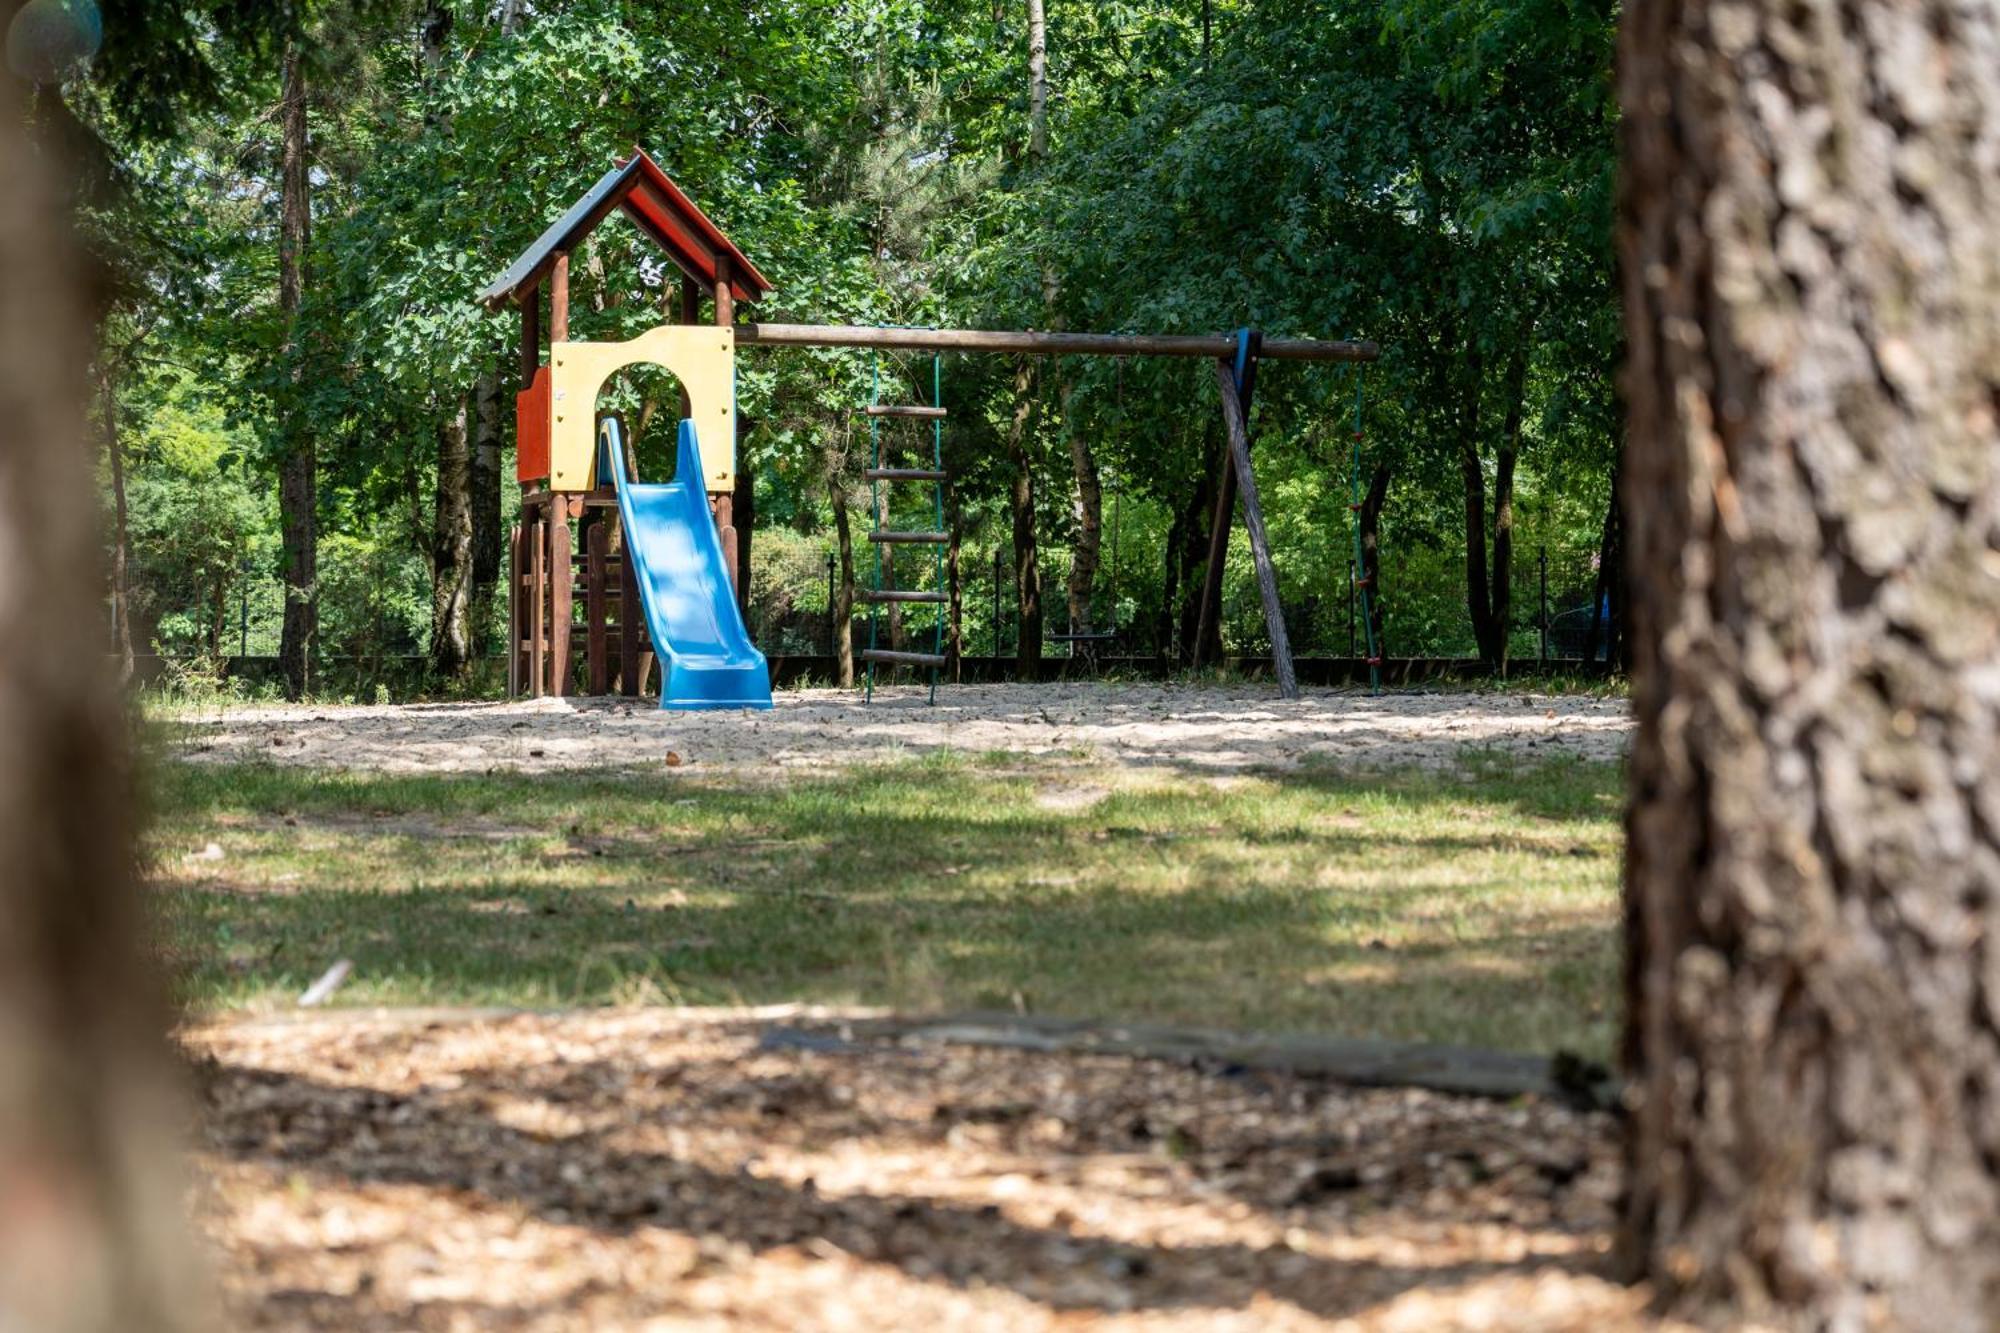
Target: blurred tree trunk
x,y
94,1237
1811,263
298,468
451,551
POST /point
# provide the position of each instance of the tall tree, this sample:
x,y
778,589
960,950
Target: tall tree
x,y
94,1239
1811,264
298,464
453,550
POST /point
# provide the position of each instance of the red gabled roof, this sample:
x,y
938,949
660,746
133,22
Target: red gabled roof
x,y
660,210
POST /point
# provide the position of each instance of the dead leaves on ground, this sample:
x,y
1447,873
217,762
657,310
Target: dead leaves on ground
x,y
643,1169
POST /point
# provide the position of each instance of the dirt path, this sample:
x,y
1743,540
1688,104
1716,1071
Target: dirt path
x,y
1218,728
661,1170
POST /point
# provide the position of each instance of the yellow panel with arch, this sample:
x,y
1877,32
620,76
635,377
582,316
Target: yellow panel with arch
x,y
701,357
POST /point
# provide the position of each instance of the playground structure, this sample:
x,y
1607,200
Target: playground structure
x,y
663,587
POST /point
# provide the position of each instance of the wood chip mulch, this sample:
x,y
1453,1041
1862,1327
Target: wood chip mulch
x,y
651,1170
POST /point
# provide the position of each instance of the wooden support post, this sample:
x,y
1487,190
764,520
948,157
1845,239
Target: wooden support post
x,y
538,563
725,505
531,333
597,554
562,584
1253,520
630,670
725,292
722,504
559,299
514,672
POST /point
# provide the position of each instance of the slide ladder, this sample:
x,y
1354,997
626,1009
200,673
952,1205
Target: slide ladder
x,y
675,554
884,537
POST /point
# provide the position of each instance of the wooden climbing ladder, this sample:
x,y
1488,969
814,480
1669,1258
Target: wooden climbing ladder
x,y
883,536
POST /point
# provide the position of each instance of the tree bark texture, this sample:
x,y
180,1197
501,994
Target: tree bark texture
x,y
94,1237
451,551
1810,249
298,467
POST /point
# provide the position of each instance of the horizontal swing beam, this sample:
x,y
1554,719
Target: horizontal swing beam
x,y
1045,344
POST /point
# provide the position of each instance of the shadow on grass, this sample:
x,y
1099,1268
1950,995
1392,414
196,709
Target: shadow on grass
x,y
1468,909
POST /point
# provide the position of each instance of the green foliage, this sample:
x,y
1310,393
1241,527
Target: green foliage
x,y
1432,174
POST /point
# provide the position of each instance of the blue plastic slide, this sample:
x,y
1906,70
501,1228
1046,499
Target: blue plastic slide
x,y
704,652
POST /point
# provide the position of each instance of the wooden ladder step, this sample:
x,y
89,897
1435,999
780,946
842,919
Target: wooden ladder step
x,y
885,595
910,538
906,410
890,658
904,474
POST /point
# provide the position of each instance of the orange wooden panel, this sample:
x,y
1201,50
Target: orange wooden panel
x,y
531,433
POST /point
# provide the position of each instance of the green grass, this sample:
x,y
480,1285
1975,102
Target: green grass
x,y
1475,907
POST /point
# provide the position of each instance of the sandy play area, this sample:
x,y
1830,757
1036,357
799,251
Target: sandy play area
x,y
1188,726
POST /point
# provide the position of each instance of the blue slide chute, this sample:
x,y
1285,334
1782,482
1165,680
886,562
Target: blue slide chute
x,y
704,652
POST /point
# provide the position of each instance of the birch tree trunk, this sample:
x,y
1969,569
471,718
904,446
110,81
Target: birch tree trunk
x,y
93,1237
451,551
1810,244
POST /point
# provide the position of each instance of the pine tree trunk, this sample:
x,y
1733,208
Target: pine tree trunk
x,y
1472,482
298,467
488,532
1087,557
95,1236
451,552
1811,263
1021,507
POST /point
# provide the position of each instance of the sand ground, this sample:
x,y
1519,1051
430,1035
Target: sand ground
x,y
1198,727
